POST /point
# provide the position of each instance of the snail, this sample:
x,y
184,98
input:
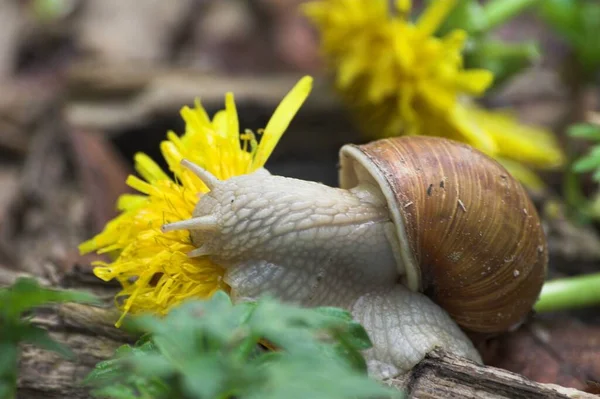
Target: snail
x,y
427,242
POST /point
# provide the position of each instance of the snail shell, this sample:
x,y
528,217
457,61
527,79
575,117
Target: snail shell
x,y
469,235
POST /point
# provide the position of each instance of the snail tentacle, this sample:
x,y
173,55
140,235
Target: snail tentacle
x,y
208,178
205,223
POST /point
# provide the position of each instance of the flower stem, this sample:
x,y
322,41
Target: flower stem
x,y
499,11
501,49
569,293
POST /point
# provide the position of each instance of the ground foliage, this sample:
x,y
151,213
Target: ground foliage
x,y
590,162
577,22
586,209
16,327
210,349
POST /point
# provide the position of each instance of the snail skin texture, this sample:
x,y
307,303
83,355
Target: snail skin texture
x,y
426,239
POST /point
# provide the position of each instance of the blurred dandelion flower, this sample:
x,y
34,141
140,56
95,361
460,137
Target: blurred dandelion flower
x,y
396,74
400,79
153,267
520,146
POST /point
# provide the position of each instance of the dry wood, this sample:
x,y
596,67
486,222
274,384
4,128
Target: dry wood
x,y
90,333
11,20
442,375
111,98
25,106
122,31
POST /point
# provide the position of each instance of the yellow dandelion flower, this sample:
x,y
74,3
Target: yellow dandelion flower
x,y
395,74
400,79
153,267
520,147
529,144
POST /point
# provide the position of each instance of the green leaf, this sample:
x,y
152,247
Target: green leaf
x,y
26,293
499,12
151,365
208,349
7,391
105,371
482,49
358,336
334,312
305,376
585,131
8,369
113,368
118,391
135,388
206,377
478,19
126,375
562,15
578,22
586,164
8,360
503,59
342,351
353,333
467,15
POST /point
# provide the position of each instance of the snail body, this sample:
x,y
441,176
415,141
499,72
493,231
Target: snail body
x,y
424,240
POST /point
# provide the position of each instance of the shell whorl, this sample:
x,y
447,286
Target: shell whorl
x,y
468,231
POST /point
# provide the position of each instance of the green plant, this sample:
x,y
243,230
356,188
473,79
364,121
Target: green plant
x,y
15,328
578,22
577,291
210,349
590,162
502,58
583,208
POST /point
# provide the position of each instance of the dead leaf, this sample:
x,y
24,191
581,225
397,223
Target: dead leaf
x,y
557,351
117,31
102,173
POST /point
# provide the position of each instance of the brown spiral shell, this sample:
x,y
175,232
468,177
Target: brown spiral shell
x,y
469,235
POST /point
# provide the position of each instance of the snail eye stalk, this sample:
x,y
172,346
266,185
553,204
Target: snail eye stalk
x,y
208,178
204,223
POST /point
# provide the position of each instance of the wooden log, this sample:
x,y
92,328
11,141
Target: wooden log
x,y
442,375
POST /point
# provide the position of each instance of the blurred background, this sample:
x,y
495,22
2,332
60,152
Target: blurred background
x,y
85,84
